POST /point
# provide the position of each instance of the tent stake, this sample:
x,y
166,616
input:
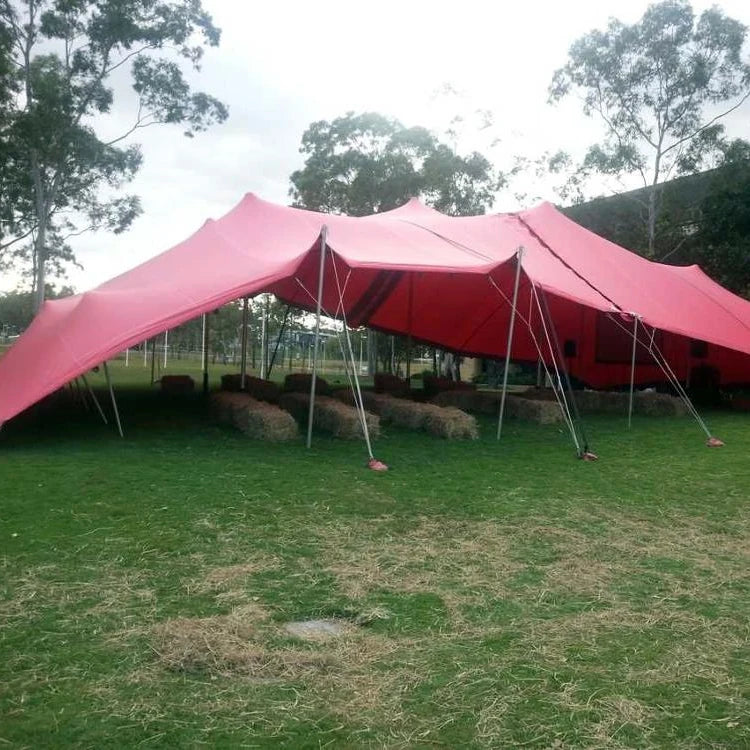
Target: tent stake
x,y
243,356
321,273
95,400
112,396
632,371
519,259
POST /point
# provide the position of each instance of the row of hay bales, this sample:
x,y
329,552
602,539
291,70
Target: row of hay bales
x,y
541,407
445,422
488,402
331,415
256,419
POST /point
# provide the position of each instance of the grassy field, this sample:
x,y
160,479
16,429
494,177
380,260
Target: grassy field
x,y
492,595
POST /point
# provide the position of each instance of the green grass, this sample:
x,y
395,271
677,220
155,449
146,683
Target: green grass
x,y
497,595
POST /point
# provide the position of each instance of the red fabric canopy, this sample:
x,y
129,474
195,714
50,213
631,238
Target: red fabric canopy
x,y
442,279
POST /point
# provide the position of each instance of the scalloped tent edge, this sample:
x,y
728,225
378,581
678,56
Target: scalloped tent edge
x,y
442,280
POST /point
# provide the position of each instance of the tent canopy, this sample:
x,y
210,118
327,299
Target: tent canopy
x,y
443,280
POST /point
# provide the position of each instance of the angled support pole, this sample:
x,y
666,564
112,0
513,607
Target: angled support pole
x,y
318,303
519,261
409,325
114,402
278,342
95,400
243,355
632,370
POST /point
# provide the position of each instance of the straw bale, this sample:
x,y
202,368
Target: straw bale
x,y
434,384
258,388
531,410
384,382
658,404
172,384
258,420
450,422
331,415
538,410
476,402
299,382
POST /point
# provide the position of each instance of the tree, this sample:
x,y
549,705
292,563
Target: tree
x,y
366,163
723,239
57,177
17,308
661,87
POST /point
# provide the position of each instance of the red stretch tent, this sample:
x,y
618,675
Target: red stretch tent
x,y
444,280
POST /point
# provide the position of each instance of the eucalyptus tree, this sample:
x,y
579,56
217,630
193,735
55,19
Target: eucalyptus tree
x,y
62,62
661,87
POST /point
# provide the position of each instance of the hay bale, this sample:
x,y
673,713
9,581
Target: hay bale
x,y
331,415
257,419
262,390
222,404
658,404
433,384
300,382
384,382
476,402
532,410
177,384
231,382
450,423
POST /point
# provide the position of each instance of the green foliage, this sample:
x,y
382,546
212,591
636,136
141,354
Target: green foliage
x,y
367,163
58,178
17,308
650,83
723,241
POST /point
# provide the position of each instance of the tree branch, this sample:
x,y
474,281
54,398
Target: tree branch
x,y
6,245
708,124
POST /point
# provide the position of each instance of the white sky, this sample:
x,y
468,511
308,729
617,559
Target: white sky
x,y
282,65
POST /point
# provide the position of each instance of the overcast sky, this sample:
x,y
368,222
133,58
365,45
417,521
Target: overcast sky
x,y
282,65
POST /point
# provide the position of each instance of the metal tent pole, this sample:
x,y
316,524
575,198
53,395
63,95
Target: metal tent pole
x,y
321,273
243,355
166,347
519,258
263,347
114,402
632,370
278,342
95,400
205,354
409,338
153,358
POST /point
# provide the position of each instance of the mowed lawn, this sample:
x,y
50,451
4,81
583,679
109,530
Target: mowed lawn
x,y
491,595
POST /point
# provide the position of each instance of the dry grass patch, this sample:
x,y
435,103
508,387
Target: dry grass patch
x,y
457,559
229,645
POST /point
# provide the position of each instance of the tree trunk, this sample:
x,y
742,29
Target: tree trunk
x,y
40,240
651,221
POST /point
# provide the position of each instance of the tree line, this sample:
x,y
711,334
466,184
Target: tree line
x,y
661,88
